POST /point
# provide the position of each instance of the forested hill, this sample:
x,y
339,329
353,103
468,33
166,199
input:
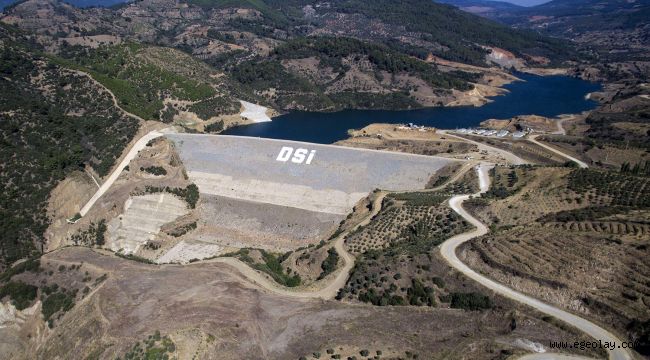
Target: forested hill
x,y
53,121
414,26
565,17
418,25
389,56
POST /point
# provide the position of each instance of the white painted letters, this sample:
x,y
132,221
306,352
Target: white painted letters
x,y
285,154
299,155
310,157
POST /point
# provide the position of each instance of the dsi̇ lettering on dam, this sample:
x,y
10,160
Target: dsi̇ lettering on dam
x,y
298,156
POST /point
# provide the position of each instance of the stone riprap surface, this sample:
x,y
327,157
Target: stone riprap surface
x,y
142,219
289,189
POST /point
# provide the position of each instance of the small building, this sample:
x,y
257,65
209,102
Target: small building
x,y
518,134
503,133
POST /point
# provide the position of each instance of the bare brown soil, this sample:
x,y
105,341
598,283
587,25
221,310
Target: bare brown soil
x,y
134,180
220,315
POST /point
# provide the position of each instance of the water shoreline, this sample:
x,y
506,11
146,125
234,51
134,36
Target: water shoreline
x,y
548,96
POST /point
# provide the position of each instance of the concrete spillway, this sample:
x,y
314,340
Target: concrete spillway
x,y
309,178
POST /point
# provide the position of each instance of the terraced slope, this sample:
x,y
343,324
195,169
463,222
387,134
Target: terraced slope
x,y
579,241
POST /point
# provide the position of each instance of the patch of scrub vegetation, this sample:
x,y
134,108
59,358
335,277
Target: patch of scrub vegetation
x,y
190,193
354,353
329,264
183,229
155,347
154,170
214,106
470,301
215,127
56,301
29,265
139,85
54,122
270,264
94,235
134,257
21,294
505,181
395,252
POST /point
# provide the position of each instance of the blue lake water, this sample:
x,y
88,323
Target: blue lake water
x,y
535,95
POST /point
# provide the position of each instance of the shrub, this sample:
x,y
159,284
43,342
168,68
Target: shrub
x,y
20,293
56,302
364,352
154,170
329,264
470,301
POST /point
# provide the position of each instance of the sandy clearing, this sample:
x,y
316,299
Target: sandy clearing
x,y
254,112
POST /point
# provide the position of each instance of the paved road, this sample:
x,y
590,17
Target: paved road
x,y
448,251
533,139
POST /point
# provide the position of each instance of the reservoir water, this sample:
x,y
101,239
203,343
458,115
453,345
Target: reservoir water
x,y
535,95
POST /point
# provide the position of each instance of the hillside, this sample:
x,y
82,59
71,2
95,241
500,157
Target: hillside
x,y
615,23
54,122
487,8
235,36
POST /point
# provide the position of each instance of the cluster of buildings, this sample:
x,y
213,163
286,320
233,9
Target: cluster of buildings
x,y
490,132
412,126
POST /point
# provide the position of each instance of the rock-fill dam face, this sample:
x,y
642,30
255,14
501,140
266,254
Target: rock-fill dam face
x,y
281,194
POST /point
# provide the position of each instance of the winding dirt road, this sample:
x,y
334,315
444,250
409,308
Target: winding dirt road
x,y
328,287
448,251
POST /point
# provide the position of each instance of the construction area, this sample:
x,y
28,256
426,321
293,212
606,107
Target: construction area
x,y
281,195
